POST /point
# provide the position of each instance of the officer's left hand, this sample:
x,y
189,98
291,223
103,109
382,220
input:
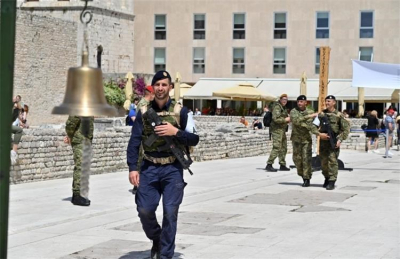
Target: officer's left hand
x,y
338,144
166,129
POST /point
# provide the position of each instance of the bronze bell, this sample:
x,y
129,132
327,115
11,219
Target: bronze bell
x,y
84,95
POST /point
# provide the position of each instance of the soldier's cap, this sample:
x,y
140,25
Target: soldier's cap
x,y
390,111
150,89
302,98
162,74
283,95
330,97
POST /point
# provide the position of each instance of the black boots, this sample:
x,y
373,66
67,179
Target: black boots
x,y
284,168
331,185
156,249
326,182
79,200
306,182
269,168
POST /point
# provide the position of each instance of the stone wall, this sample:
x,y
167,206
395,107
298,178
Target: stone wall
x,y
49,40
43,155
45,48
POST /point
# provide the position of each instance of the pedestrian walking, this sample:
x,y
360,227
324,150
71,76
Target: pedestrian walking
x,y
161,174
337,127
278,128
76,137
302,128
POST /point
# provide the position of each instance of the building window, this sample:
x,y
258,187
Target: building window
x,y
367,24
160,27
238,61
317,59
239,31
366,54
322,25
199,61
280,26
159,59
279,60
199,27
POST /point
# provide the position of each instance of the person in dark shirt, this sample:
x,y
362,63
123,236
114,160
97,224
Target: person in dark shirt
x,y
161,175
256,124
372,133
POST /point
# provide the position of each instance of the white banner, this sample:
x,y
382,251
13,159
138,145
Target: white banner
x,y
376,75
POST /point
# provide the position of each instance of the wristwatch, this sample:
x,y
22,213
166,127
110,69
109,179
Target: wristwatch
x,y
179,133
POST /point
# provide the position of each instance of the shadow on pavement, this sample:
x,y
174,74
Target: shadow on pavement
x,y
145,255
299,184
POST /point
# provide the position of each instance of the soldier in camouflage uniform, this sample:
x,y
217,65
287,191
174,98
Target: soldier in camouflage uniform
x,y
75,137
328,155
161,174
302,126
279,124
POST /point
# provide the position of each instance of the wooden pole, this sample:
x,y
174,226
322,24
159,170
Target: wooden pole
x,y
323,76
323,80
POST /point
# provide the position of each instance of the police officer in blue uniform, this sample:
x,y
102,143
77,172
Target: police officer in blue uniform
x,y
161,174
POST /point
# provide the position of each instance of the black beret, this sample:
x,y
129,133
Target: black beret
x,y
162,74
302,98
330,97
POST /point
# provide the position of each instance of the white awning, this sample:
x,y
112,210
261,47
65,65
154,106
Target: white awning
x,y
376,75
341,88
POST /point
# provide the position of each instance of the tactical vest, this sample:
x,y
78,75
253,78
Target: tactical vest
x,y
334,119
172,116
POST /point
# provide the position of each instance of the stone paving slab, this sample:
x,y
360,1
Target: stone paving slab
x,y
117,248
358,188
295,198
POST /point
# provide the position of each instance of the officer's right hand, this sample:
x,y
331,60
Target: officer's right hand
x,y
134,178
287,119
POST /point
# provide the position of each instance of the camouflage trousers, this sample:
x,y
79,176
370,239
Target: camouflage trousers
x,y
77,150
302,155
279,147
329,160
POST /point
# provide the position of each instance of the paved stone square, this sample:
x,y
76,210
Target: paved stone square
x,y
232,209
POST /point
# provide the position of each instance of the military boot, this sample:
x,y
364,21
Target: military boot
x,y
331,185
269,168
326,182
156,249
306,183
79,200
284,168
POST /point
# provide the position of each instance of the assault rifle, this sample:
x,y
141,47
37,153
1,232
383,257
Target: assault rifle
x,y
172,144
326,128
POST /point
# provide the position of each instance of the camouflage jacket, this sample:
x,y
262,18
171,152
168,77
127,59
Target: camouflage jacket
x,y
340,126
302,125
73,127
142,105
279,113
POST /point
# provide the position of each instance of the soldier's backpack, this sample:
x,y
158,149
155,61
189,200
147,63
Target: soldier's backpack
x,y
267,119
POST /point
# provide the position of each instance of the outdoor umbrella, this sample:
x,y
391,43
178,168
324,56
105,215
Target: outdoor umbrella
x,y
303,84
244,92
183,89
